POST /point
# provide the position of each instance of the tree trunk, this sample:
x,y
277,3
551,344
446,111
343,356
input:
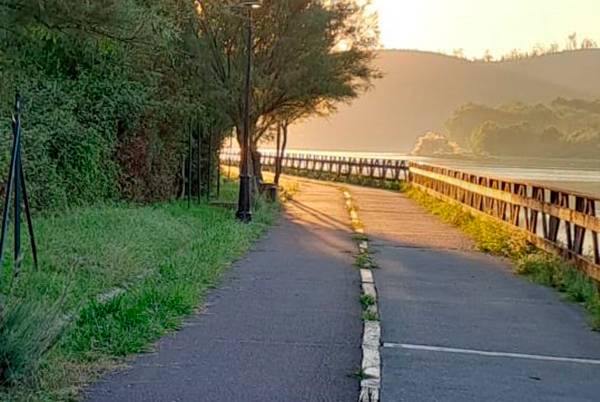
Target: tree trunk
x,y
283,129
255,169
278,155
240,140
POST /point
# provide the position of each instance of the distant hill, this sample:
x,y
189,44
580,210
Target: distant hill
x,y
421,90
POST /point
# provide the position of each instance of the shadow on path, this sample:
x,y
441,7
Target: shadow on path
x,y
284,326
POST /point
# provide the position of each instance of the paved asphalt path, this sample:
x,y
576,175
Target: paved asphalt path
x,y
284,326
444,306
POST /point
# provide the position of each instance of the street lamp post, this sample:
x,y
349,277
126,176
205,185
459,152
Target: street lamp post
x,y
244,212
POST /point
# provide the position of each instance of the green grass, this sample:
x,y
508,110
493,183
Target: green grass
x,y
551,271
358,237
369,315
366,301
156,261
365,260
496,238
359,374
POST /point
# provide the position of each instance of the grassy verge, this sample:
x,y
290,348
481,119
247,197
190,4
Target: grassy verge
x,y
494,237
112,279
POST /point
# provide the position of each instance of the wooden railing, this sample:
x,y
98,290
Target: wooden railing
x,y
332,167
556,220
553,219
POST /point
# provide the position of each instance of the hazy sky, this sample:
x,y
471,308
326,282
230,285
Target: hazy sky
x,y
477,25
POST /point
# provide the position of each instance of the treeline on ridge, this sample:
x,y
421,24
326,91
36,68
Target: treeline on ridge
x,y
564,128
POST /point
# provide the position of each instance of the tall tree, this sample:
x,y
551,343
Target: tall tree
x,y
308,56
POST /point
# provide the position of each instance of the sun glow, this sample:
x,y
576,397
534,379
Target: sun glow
x,y
399,21
478,25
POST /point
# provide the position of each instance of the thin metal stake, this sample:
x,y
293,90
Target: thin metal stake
x,y
16,125
230,161
18,255
16,181
218,174
210,163
190,158
199,160
29,220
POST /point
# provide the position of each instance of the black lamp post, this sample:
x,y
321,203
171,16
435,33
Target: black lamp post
x,y
244,212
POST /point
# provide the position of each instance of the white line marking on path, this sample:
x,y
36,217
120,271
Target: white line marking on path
x,y
490,354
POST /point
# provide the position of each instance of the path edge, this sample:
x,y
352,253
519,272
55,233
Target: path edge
x,y
370,384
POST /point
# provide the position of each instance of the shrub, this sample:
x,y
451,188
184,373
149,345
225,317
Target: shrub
x,y
28,331
103,119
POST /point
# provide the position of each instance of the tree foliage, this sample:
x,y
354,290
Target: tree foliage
x,y
308,56
563,128
108,87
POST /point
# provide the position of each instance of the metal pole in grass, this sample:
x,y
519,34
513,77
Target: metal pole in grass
x,y
210,162
218,174
199,132
11,174
190,161
18,255
16,181
230,157
28,216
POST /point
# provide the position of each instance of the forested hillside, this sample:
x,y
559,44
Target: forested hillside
x,y
561,128
420,91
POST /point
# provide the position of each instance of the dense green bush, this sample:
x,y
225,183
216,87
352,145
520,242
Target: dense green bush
x,y
68,157
28,330
107,93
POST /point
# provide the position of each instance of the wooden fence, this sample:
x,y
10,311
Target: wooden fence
x,y
332,167
556,220
553,219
